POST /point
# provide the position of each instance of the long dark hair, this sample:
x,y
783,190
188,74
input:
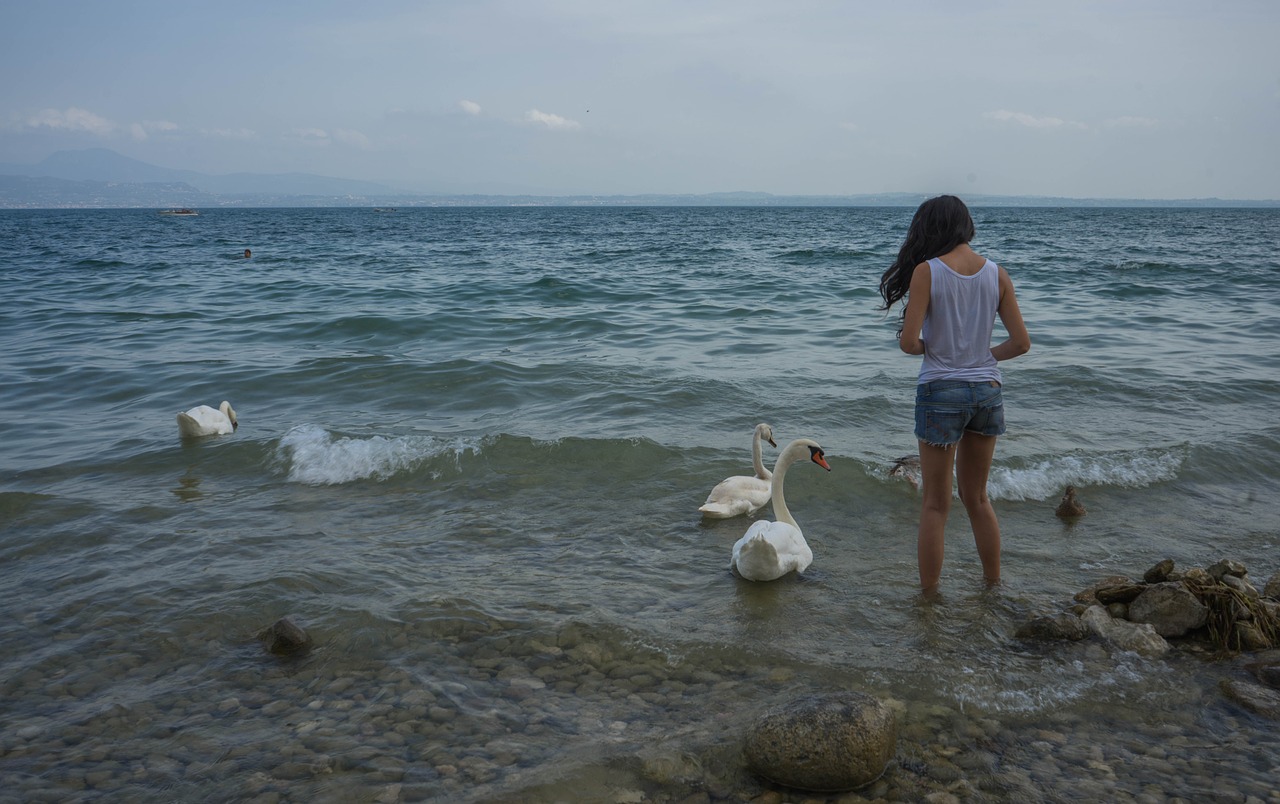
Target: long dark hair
x,y
939,225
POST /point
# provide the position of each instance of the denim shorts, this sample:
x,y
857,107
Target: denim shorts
x,y
945,409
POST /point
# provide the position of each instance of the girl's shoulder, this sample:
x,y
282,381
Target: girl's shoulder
x,y
995,268
921,276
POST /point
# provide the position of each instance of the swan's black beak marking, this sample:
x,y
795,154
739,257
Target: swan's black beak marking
x,y
819,457
773,443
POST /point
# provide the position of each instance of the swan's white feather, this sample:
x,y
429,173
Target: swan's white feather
x,y
743,494
203,420
735,496
770,550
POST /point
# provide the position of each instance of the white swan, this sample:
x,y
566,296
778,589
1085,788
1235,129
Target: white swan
x,y
203,420
741,494
770,550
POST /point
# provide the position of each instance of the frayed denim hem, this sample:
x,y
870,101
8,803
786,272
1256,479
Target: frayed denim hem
x,y
939,446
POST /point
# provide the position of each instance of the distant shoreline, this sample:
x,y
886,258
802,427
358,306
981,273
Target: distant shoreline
x,y
196,200
98,178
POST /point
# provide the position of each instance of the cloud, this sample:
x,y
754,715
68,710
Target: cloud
x,y
320,136
552,121
470,107
231,133
71,119
143,130
315,136
1132,122
1030,121
348,137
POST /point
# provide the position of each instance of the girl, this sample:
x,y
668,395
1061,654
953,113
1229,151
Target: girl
x,y
953,296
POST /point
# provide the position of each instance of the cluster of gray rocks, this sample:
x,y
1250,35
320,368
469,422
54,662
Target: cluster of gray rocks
x,y
1216,608
844,741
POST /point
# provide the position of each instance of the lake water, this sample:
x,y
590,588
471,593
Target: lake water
x,y
471,450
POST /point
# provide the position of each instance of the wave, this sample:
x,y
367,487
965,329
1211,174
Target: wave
x,y
314,456
811,255
96,264
14,504
1045,479
1007,690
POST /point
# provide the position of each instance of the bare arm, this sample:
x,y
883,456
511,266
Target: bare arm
x,y
917,306
1018,342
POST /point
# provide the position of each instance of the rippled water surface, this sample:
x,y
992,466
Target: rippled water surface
x,y
472,445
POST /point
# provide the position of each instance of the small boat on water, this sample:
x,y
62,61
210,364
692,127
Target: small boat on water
x,y
182,211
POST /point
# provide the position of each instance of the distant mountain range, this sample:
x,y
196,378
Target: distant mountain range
x,y
99,177
102,177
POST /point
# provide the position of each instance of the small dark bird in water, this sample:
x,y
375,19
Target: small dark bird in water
x,y
1070,507
908,468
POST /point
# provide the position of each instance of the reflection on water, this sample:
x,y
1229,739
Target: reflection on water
x,y
188,489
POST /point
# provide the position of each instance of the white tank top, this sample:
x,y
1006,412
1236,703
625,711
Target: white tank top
x,y
957,327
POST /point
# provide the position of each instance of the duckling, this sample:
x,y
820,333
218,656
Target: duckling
x,y
1070,507
908,468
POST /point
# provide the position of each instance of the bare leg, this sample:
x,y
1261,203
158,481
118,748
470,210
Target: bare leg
x,y
973,465
936,471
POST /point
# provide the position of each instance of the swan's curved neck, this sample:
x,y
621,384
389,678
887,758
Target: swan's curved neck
x,y
788,457
757,460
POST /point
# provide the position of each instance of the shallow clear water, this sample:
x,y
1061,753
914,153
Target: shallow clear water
x,y
472,445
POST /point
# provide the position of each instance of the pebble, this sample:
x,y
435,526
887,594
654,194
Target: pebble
x,y
466,716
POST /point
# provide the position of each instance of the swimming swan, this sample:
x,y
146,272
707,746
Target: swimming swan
x,y
770,550
203,420
741,494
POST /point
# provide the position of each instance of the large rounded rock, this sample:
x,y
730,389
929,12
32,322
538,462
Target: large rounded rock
x,y
1160,572
1137,637
826,743
1254,697
285,637
1272,589
1060,626
1170,608
1119,593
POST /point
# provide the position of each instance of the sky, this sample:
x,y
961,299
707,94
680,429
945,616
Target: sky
x,y
1157,99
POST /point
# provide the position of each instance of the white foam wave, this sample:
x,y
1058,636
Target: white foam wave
x,y
316,457
1045,479
1005,689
